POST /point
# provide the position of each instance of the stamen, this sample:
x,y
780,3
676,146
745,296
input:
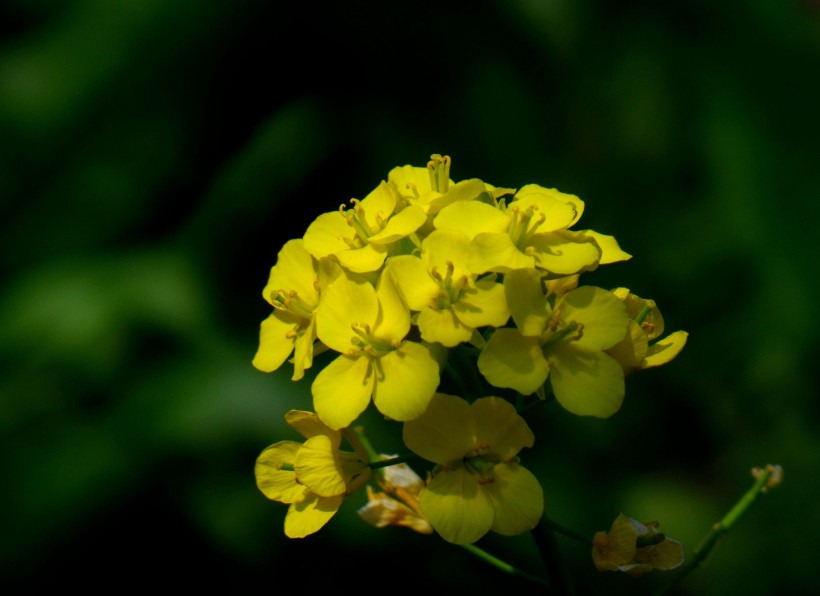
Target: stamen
x,y
414,189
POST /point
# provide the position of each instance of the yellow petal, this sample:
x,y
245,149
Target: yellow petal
x,y
413,280
471,218
362,260
484,306
500,426
342,390
409,377
274,482
632,349
600,312
344,304
309,425
586,383
294,271
496,252
446,247
303,350
564,253
526,300
665,349
325,236
513,360
308,516
274,344
393,322
456,507
561,210
668,554
517,498
379,204
444,433
316,467
402,224
442,326
610,250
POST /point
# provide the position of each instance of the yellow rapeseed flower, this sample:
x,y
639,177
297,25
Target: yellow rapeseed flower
x,y
643,347
312,477
367,326
532,231
450,301
564,342
635,548
362,237
294,288
478,484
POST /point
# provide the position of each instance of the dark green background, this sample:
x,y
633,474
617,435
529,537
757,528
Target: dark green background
x,y
155,155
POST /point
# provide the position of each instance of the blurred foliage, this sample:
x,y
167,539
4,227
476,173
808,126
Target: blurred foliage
x,y
154,157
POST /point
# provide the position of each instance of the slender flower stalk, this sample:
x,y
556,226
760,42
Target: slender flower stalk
x,y
503,565
765,479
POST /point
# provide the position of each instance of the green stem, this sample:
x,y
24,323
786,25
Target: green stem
x,y
383,463
566,531
457,378
548,549
722,528
503,565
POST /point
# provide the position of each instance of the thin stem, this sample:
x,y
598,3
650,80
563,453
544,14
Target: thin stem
x,y
383,463
503,565
548,549
765,479
566,531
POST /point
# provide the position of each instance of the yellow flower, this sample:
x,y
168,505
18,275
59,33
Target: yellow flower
x,y
293,289
531,232
635,548
368,326
432,189
564,342
362,237
478,484
450,301
642,348
398,503
312,477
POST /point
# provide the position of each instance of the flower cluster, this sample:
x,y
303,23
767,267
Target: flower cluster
x,y
423,282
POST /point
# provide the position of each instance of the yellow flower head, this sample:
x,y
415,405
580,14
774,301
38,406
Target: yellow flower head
x,y
532,231
635,548
643,347
478,484
564,342
432,189
294,288
450,301
367,326
397,504
313,477
361,237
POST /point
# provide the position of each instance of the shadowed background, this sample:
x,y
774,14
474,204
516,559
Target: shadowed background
x,y
155,156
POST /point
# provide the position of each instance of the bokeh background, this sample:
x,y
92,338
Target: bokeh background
x,y
155,156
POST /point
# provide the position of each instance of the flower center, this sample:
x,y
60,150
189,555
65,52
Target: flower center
x,y
367,344
439,169
291,302
450,289
523,224
552,334
361,227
